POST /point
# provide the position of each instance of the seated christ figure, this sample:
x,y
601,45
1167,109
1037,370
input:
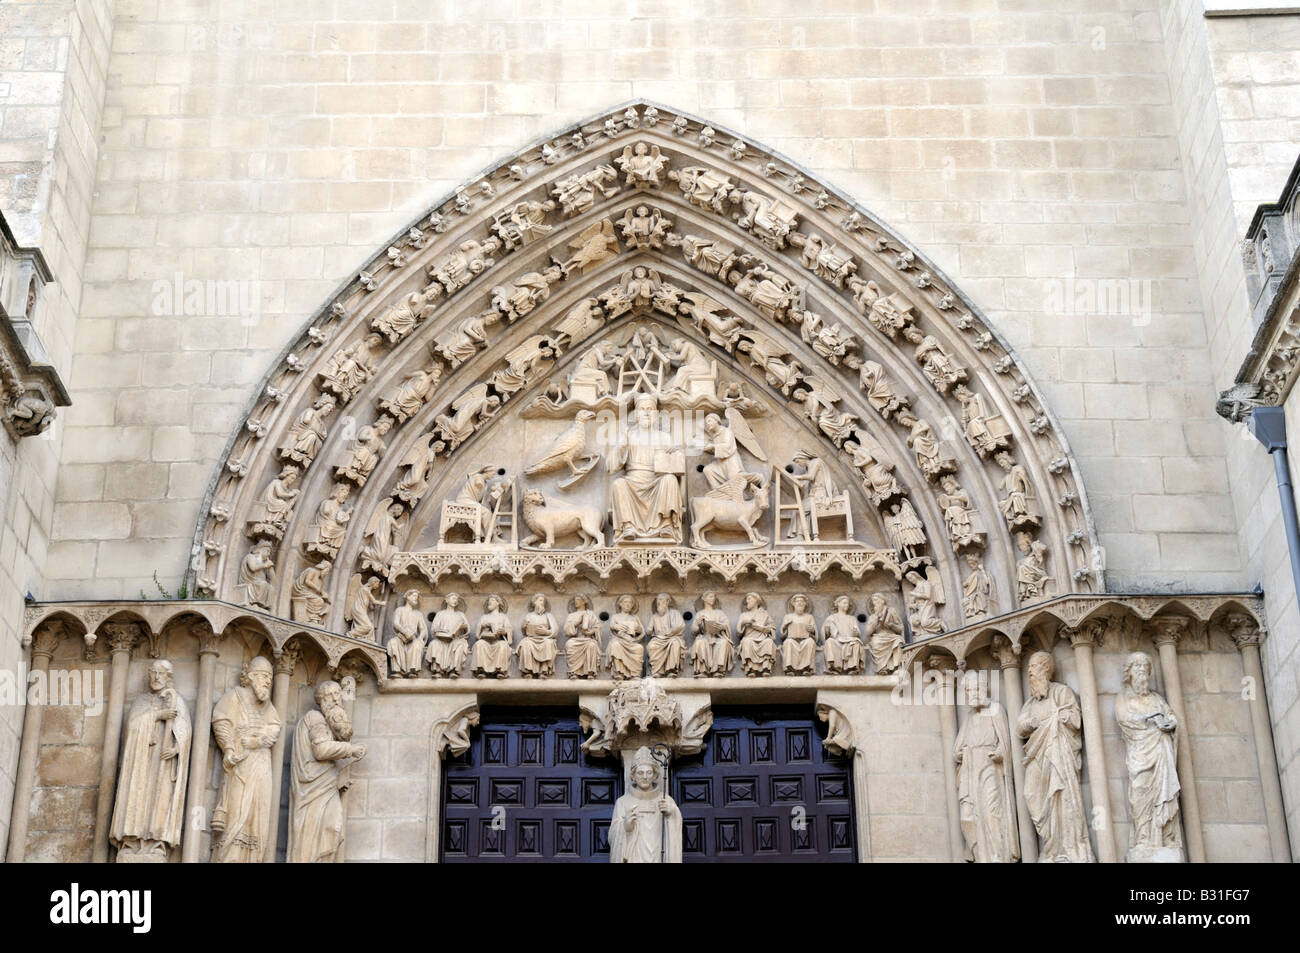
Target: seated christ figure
x,y
647,499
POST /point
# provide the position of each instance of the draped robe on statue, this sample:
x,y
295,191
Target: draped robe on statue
x,y
315,807
652,834
1152,760
667,643
646,503
246,806
984,794
150,804
1051,726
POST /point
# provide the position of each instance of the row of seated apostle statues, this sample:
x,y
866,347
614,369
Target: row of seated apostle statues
x,y
761,645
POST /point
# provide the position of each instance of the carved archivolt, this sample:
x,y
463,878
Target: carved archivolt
x,y
646,229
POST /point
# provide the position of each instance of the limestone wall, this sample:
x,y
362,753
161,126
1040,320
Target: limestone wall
x,y
1234,97
53,72
1032,151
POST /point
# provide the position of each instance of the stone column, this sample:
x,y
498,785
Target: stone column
x,y
948,730
285,662
121,636
1083,641
1013,697
192,834
1245,631
43,645
1166,631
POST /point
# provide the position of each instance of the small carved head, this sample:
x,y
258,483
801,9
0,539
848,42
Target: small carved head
x,y
539,603
626,604
754,601
160,675
257,675
1137,673
1041,669
798,603
664,602
450,601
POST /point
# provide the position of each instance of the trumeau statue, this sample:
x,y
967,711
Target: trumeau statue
x,y
986,802
757,632
625,655
449,638
246,726
647,500
667,646
1051,724
647,825
841,641
582,639
493,640
149,809
799,637
537,642
1149,729
713,653
318,775
884,632
410,630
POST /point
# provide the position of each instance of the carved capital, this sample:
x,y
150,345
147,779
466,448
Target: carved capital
x,y
1168,629
1243,629
1005,651
209,640
286,660
46,639
122,636
1092,632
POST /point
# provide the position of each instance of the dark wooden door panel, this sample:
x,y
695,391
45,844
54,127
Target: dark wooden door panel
x,y
765,789
525,791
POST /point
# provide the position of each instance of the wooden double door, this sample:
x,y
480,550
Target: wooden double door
x,y
763,789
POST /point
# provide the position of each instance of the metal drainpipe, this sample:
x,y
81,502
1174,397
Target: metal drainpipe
x,y
1268,425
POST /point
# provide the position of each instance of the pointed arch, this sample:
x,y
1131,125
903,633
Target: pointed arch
x,y
833,293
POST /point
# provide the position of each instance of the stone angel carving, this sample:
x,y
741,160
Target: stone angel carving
x,y
359,607
417,465
642,165
379,542
926,596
